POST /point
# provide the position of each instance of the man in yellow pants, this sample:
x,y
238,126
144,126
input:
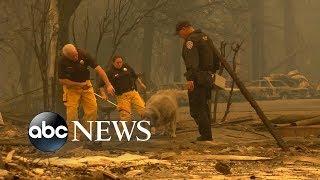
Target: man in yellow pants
x,y
75,78
123,77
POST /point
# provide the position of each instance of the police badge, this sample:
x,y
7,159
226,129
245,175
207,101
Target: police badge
x,y
125,69
189,44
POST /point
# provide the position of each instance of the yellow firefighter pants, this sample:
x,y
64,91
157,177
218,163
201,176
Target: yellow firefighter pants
x,y
72,98
126,100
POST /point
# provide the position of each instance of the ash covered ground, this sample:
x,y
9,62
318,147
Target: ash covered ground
x,y
242,148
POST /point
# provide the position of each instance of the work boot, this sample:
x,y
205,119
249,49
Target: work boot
x,y
201,138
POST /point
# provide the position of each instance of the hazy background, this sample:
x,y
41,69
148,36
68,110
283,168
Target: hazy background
x,y
277,35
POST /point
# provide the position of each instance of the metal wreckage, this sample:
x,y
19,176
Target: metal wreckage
x,y
292,85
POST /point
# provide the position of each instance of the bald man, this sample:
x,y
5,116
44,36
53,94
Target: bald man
x,y
74,75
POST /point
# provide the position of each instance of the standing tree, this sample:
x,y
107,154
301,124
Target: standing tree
x,y
257,21
53,27
39,14
65,10
290,32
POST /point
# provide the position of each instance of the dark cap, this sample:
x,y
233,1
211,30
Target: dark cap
x,y
181,24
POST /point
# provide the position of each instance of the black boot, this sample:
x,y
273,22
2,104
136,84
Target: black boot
x,y
201,138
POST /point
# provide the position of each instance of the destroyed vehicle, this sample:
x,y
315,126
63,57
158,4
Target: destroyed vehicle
x,y
297,80
266,89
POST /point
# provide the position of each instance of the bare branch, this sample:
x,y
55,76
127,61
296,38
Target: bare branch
x,y
86,27
236,50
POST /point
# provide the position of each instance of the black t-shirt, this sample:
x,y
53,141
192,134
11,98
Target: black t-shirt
x,y
123,79
76,70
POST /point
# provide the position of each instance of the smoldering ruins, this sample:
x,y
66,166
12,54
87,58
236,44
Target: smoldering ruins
x,y
265,123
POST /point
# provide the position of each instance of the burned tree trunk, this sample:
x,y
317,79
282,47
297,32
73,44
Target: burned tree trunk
x,y
65,10
257,21
54,27
289,33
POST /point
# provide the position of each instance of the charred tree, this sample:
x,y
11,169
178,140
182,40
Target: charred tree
x,y
65,10
39,27
258,63
289,33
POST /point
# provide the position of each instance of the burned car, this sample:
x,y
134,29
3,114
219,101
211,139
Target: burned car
x,y
275,89
296,80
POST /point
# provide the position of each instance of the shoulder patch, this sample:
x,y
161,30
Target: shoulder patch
x,y
189,44
205,38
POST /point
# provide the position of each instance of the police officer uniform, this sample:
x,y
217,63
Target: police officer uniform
x,y
123,81
78,71
201,63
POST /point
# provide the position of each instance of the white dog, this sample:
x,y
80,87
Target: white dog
x,y
162,111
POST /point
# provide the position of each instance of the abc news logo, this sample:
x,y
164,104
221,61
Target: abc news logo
x,y
48,131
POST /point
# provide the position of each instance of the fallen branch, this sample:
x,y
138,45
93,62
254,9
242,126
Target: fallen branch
x,y
244,129
291,118
236,121
240,137
292,160
311,121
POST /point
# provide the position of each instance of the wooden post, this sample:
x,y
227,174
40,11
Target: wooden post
x,y
215,93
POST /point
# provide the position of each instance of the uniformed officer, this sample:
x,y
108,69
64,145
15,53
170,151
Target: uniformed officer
x,y
75,78
201,62
124,79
